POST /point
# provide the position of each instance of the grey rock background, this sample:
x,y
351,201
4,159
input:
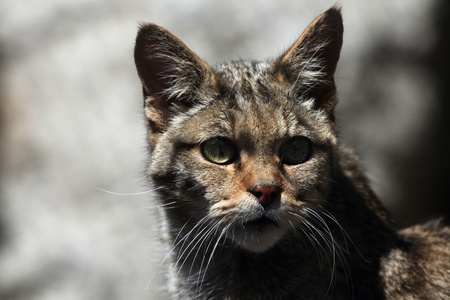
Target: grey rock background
x,y
71,125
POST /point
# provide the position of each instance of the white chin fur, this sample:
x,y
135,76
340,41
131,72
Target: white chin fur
x,y
258,241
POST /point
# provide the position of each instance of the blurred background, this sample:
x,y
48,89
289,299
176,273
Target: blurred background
x,y
76,217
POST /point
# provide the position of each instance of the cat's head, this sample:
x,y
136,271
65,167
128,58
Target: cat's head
x,y
245,148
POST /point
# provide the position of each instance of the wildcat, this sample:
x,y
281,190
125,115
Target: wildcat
x,y
258,198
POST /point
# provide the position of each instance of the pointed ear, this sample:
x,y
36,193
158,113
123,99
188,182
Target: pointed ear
x,y
308,67
171,74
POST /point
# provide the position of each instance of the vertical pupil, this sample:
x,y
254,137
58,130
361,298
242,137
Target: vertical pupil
x,y
295,151
219,150
221,154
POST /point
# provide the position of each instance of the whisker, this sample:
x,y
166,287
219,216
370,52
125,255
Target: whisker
x,y
194,243
346,235
128,194
172,248
216,227
207,236
330,241
311,236
165,205
341,250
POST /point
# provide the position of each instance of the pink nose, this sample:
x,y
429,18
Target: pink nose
x,y
265,193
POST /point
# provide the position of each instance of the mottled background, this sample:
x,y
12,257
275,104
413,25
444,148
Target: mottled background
x,y
71,125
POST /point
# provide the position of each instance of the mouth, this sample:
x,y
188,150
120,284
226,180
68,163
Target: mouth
x,y
260,223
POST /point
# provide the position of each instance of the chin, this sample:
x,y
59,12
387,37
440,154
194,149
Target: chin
x,y
258,236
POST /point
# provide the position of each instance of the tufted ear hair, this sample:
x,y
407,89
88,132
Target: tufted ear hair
x,y
307,68
171,75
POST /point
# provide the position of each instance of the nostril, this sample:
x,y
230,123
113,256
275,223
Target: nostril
x,y
265,193
257,194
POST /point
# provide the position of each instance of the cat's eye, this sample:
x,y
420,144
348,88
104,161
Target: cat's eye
x,y
295,151
219,150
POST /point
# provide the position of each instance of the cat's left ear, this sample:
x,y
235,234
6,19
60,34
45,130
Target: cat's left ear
x,y
308,67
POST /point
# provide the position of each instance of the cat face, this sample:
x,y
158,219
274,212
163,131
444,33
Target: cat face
x,y
245,150
229,148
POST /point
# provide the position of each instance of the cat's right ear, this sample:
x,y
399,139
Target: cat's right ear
x,y
171,75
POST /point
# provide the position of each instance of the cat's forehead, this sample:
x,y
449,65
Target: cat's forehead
x,y
254,121
252,107
245,79
239,71
255,97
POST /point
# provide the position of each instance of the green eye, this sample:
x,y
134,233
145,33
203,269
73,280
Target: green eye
x,y
219,150
295,151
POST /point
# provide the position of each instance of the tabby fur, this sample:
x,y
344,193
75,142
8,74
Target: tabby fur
x,y
324,234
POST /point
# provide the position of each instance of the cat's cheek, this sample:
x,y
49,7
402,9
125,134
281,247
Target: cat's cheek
x,y
309,175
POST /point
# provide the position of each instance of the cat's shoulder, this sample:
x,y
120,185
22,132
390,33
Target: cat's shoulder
x,y
429,245
420,269
433,233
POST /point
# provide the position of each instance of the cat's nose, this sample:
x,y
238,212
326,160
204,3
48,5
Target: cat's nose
x,y
265,193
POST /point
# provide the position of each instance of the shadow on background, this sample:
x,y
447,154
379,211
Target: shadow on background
x,y
425,172
437,186
2,152
421,166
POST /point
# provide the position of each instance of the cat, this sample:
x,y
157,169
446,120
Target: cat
x,y
258,198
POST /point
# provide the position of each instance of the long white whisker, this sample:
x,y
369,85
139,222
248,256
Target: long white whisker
x,y
346,236
331,242
165,205
207,236
341,251
313,230
312,236
172,248
224,230
128,194
177,241
198,238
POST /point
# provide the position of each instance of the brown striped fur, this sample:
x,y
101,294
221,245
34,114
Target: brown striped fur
x,y
324,235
